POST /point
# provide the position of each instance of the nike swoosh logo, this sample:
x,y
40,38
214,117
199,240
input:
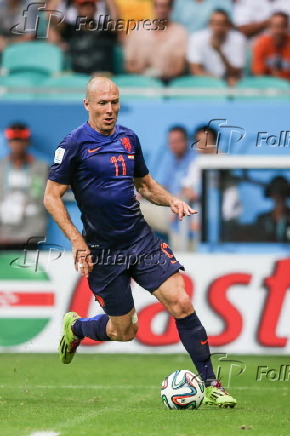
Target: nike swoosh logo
x,y
95,149
204,342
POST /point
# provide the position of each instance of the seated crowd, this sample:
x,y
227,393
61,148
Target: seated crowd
x,y
160,38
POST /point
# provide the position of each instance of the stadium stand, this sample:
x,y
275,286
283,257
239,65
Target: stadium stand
x,y
263,87
118,59
146,85
204,87
17,87
66,87
40,58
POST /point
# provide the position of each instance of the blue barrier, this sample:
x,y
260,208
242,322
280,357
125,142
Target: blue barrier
x,y
51,121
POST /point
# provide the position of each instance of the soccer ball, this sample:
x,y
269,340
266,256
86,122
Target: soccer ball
x,y
182,390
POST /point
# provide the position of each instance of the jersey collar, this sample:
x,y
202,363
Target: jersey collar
x,y
100,136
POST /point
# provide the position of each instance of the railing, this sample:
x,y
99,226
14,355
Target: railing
x,y
160,92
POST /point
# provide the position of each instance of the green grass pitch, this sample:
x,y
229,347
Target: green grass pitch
x,y
117,394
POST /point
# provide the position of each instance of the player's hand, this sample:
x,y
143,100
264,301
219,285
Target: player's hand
x,y
82,257
181,209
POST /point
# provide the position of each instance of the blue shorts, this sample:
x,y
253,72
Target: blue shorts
x,y
149,262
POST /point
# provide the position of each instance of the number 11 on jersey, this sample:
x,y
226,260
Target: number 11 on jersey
x,y
115,160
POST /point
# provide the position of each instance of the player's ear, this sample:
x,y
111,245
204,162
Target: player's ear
x,y
86,104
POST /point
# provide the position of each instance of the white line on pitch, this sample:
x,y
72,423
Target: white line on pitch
x,y
127,387
44,433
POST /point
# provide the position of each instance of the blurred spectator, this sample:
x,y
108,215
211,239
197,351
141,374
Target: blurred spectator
x,y
251,17
90,45
195,14
217,51
280,6
271,52
135,9
175,162
11,14
205,142
172,168
274,226
103,7
22,184
154,51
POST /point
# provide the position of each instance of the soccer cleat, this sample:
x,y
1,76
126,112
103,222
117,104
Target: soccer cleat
x,y
216,395
69,342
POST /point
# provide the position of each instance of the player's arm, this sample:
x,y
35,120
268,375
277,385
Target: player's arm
x,y
55,206
156,194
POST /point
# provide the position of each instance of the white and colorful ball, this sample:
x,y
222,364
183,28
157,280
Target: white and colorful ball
x,y
182,390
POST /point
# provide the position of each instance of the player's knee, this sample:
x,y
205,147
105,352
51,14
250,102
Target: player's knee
x,y
185,305
181,306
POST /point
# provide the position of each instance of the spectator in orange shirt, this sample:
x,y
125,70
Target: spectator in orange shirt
x,y
271,52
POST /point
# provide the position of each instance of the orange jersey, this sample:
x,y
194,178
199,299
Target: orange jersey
x,y
268,60
135,9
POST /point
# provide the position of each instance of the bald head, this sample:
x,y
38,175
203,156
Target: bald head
x,y
102,103
99,85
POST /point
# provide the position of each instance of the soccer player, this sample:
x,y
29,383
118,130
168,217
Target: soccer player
x,y
102,162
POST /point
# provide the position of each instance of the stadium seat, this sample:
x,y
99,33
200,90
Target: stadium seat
x,y
198,83
145,86
41,58
247,72
20,88
263,87
67,87
118,59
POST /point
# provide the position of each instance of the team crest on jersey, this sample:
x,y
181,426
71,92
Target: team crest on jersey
x,y
126,143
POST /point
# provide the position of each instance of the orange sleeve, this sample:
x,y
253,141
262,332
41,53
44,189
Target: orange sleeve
x,y
259,56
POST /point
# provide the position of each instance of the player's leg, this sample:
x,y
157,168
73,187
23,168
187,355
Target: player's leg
x,y
193,335
118,323
158,273
107,328
123,328
160,276
99,328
